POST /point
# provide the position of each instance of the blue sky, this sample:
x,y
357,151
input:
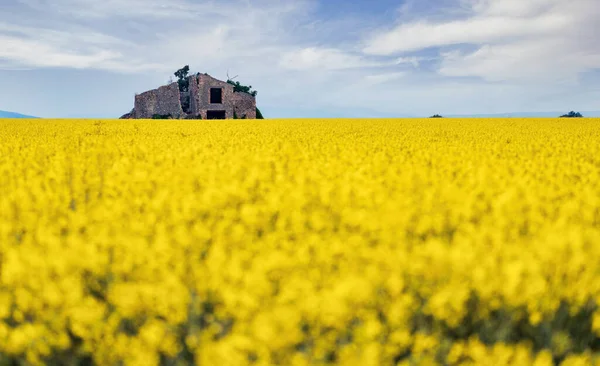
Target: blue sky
x,y
306,58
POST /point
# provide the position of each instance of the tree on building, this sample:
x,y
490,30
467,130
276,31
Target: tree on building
x,y
182,80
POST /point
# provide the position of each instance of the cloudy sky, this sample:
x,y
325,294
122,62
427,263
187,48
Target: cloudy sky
x,y
306,58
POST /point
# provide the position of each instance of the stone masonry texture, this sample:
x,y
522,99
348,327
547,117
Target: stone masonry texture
x,y
163,101
167,100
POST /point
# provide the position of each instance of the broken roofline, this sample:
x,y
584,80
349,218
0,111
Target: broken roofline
x,y
195,102
237,87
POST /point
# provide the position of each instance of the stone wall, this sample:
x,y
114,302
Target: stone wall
x,y
244,105
200,85
164,101
167,100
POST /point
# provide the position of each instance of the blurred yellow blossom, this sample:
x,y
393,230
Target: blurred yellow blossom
x,y
300,242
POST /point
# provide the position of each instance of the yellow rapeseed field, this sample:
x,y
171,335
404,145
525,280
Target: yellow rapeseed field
x,y
300,242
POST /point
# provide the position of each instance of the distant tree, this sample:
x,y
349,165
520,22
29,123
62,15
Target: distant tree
x,y
436,116
572,114
182,80
258,114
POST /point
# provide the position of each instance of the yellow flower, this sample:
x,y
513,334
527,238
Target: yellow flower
x,y
300,242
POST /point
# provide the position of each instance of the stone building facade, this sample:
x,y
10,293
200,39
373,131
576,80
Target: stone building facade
x,y
206,98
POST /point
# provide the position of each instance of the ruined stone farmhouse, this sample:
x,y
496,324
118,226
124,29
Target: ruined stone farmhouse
x,y
205,98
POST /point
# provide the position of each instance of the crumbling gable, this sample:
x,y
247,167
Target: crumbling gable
x,y
162,101
210,94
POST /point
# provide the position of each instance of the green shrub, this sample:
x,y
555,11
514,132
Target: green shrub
x,y
572,114
239,88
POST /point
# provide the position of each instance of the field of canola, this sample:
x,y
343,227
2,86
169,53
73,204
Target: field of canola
x,y
300,242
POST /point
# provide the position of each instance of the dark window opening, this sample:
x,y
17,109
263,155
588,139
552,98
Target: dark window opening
x,y
216,95
215,114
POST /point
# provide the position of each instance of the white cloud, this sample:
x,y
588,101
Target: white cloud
x,y
30,52
383,78
324,59
527,61
413,60
516,40
512,8
478,30
26,47
171,9
521,49
96,34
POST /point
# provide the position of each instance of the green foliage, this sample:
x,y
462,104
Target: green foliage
x,y
258,114
182,80
436,116
572,114
183,72
239,88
